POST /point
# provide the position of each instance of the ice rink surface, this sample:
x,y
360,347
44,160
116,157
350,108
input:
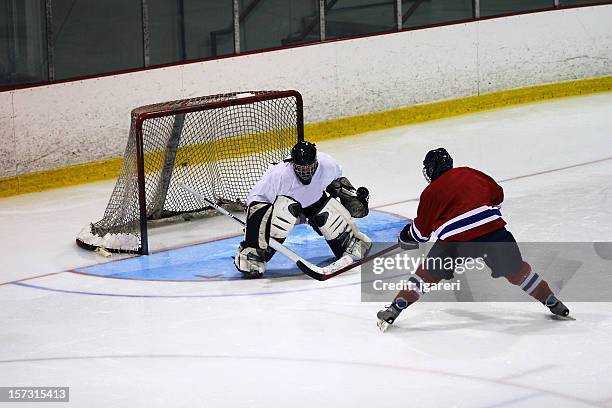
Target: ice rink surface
x,y
297,342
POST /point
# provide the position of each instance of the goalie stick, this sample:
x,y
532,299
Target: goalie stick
x,y
343,264
328,274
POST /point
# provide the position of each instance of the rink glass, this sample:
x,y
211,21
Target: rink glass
x,y
47,40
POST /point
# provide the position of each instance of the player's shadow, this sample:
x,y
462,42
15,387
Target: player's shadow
x,y
520,323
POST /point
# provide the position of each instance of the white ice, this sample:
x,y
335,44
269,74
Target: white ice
x,y
301,343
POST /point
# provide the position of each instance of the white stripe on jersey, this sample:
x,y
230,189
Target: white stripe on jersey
x,y
417,234
481,215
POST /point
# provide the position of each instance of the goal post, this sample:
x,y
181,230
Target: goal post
x,y
219,145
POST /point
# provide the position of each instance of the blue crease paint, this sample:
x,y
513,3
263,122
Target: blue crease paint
x,y
213,260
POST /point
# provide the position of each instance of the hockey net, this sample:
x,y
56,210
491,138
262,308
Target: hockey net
x,y
219,145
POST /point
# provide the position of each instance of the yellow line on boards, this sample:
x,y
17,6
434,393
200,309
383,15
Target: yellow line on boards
x,y
331,129
438,110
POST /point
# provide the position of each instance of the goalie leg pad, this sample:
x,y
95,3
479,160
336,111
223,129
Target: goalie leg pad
x,y
250,258
250,261
334,222
257,231
285,215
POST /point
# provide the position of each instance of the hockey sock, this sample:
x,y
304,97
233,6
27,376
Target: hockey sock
x,y
531,282
418,280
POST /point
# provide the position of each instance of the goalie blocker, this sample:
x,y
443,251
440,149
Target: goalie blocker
x,y
329,217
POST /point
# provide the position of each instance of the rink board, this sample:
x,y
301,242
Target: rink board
x,y
214,260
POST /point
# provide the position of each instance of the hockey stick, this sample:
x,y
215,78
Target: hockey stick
x,y
331,273
319,273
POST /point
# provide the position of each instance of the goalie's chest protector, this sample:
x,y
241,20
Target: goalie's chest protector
x,y
461,205
280,179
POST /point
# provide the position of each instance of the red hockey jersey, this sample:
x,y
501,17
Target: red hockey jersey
x,y
460,205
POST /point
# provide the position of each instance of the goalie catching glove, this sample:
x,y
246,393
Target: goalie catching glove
x,y
354,200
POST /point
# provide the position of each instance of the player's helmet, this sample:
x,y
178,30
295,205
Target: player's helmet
x,y
304,159
436,162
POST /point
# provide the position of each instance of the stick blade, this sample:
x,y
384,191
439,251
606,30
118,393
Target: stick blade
x,y
307,271
342,264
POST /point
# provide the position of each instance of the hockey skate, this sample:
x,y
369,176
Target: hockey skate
x,y
387,316
250,262
557,308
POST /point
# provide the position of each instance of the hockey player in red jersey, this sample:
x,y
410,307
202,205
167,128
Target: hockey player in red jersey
x,y
462,205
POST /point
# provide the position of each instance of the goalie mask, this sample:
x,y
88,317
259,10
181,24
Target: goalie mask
x,y
304,160
436,162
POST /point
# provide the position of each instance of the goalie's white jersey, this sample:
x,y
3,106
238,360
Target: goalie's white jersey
x,y
280,179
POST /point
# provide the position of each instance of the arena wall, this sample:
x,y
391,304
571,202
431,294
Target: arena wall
x,y
75,132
